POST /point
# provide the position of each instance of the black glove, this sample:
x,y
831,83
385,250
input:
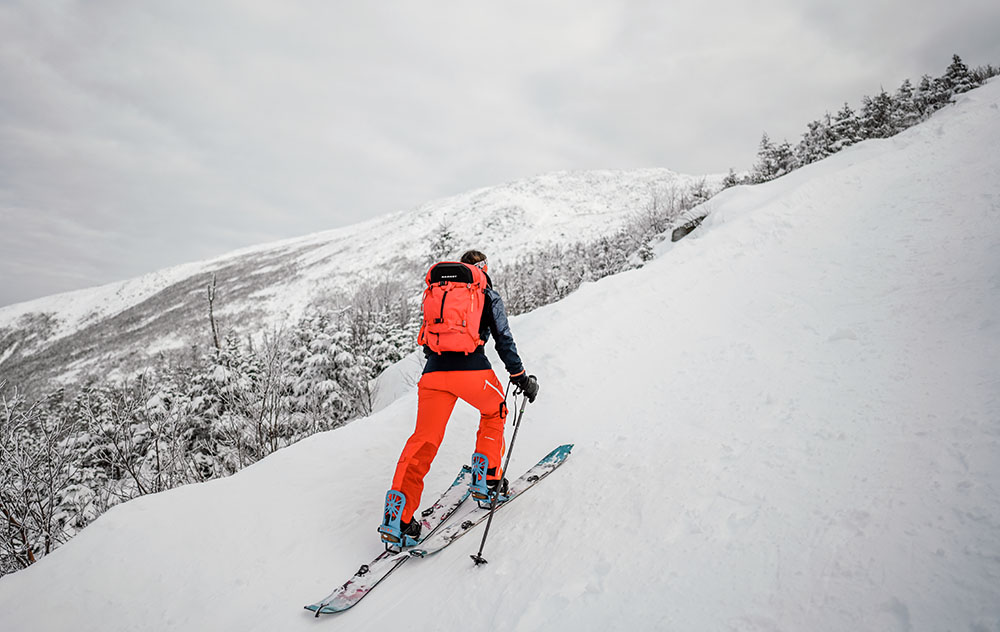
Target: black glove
x,y
527,384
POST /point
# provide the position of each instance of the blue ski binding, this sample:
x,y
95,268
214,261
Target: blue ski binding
x,y
392,533
479,490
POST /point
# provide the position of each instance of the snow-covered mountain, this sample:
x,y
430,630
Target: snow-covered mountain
x,y
787,421
121,324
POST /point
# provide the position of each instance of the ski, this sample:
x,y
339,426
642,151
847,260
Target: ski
x,y
461,520
475,513
378,569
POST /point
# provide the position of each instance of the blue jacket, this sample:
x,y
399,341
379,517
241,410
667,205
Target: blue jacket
x,y
494,322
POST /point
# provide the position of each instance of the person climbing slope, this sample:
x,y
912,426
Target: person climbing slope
x,y
460,311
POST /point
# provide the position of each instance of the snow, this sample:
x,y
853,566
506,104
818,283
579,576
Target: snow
x,y
9,351
74,310
166,343
787,421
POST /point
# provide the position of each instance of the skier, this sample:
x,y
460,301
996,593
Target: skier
x,y
447,377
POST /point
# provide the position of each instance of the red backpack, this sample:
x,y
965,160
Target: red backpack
x,y
453,307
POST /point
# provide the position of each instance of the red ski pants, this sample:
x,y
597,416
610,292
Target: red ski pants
x,y
437,393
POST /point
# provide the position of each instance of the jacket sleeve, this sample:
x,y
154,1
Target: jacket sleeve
x,y
503,339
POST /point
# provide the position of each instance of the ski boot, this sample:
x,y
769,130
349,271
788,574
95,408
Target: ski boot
x,y
483,490
395,533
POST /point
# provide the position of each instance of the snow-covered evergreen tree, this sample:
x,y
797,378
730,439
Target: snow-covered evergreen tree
x,y
876,116
940,94
905,112
924,97
443,246
817,143
766,168
957,78
326,370
846,128
731,179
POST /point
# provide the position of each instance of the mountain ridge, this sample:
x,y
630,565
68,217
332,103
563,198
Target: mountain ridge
x,y
260,287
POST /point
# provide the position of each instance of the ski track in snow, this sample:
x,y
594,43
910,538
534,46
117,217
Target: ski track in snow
x,y
788,421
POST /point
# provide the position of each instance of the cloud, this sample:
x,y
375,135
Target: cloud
x,y
139,135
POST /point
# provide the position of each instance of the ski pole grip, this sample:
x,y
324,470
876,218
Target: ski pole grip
x,y
530,388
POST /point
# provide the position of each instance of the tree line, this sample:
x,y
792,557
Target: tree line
x,y
70,455
881,116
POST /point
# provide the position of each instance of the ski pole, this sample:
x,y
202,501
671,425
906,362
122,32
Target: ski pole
x,y
478,557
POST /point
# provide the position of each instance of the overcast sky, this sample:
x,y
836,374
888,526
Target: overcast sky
x,y
137,135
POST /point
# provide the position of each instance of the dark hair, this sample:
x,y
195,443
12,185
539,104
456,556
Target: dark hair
x,y
472,257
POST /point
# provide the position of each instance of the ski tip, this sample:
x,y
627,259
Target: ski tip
x,y
561,452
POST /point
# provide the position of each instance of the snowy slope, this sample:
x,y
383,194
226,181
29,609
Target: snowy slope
x,y
788,421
